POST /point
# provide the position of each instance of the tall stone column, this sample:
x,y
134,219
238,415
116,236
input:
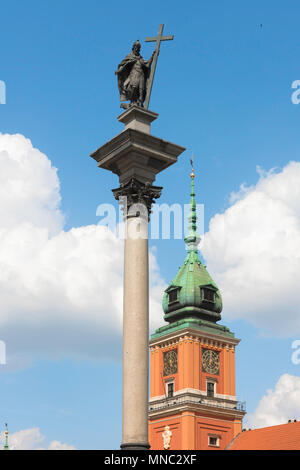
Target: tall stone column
x,y
137,199
135,338
136,157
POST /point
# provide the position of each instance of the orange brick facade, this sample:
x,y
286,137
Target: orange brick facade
x,y
195,420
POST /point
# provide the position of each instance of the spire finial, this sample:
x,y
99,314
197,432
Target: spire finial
x,y
6,447
192,240
192,165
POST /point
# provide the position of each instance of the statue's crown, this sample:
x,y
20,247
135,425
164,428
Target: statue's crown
x,y
136,44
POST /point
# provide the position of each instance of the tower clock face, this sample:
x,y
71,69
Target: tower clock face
x,y
210,361
170,362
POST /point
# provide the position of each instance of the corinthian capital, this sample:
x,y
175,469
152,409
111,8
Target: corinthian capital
x,y
135,193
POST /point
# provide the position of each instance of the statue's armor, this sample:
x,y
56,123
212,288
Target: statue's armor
x,y
136,76
136,80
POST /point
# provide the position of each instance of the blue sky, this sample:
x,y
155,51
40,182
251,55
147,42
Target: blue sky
x,y
222,90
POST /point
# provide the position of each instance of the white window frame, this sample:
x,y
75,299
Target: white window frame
x,y
214,436
211,381
167,383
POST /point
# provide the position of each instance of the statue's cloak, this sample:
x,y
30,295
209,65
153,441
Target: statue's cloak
x,y
123,72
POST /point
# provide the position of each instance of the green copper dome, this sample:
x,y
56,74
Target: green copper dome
x,y
192,294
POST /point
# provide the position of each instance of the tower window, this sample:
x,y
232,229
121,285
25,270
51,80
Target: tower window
x,y
173,295
210,389
208,295
170,390
213,441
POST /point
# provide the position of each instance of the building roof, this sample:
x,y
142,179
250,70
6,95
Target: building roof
x,y
281,437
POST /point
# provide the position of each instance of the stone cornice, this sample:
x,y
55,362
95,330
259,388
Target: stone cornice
x,y
199,409
190,399
133,153
190,334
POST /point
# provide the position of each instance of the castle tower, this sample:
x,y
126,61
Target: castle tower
x,y
193,402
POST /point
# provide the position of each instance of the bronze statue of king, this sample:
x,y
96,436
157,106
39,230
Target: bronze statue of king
x,y
133,74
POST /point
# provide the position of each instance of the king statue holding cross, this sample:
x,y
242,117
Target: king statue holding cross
x,y
136,75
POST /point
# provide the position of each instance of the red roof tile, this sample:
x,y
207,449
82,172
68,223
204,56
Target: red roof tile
x,y
282,437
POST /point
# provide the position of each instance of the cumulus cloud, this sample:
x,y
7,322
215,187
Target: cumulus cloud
x,y
60,291
32,439
278,405
253,252
29,186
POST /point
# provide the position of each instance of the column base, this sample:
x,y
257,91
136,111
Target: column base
x,y
135,446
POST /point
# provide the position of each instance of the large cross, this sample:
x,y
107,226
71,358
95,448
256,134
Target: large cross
x,y
158,40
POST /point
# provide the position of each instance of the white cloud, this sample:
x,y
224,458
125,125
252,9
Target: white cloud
x,y
57,445
32,439
29,186
60,291
253,252
278,405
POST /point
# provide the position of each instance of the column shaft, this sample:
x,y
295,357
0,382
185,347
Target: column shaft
x,y
135,335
